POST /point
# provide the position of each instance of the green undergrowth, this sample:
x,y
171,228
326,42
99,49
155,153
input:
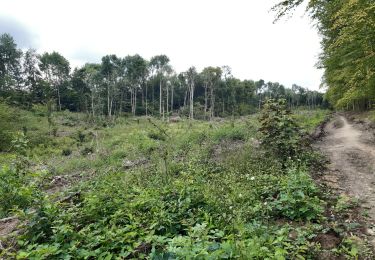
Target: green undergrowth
x,y
310,119
157,190
203,210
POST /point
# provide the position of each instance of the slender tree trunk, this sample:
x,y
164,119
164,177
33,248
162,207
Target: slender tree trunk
x,y
205,101
185,98
212,98
167,100
131,100
108,111
153,98
163,110
160,99
92,104
223,101
121,100
135,102
143,98
192,101
111,106
58,96
172,98
146,100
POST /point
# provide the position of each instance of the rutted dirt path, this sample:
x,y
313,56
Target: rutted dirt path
x,y
352,163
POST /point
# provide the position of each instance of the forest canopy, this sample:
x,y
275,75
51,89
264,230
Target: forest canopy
x,y
347,28
135,86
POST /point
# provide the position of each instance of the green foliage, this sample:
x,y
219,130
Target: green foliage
x,y
9,120
280,132
125,86
348,32
18,190
229,133
156,135
204,191
81,136
20,143
40,110
66,152
310,119
298,198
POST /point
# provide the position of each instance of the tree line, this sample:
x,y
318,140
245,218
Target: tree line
x,y
136,86
347,28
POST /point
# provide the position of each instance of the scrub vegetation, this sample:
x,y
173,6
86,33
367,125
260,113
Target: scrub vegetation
x,y
144,188
129,159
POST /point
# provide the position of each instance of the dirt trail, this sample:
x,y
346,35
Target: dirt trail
x,y
352,162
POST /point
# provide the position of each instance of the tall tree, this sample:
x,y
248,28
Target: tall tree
x,y
160,65
211,77
109,68
347,28
93,80
56,71
10,65
32,78
136,72
191,76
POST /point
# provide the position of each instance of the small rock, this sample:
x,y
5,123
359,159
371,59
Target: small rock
x,y
128,164
370,232
56,179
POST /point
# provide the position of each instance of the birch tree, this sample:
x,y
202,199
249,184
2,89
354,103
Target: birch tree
x,y
191,75
160,64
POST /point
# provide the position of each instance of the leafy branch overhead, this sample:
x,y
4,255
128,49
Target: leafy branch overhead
x,y
347,28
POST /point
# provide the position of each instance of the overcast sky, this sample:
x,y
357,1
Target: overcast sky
x,y
238,33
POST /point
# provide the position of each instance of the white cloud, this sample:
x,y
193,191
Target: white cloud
x,y
238,33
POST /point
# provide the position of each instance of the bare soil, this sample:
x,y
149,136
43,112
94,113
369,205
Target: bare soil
x,y
351,168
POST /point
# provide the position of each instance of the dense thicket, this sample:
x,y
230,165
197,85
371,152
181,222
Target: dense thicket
x,y
134,85
347,28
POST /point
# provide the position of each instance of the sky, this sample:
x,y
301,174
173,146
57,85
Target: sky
x,y
237,33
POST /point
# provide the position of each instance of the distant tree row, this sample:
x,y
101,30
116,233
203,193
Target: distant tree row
x,y
347,28
136,86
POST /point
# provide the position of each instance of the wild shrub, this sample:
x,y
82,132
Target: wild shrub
x,y
54,131
280,134
39,109
20,143
9,120
298,198
66,152
17,190
229,133
156,135
81,136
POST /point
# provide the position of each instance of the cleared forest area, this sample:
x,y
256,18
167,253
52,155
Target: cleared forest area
x,y
128,158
